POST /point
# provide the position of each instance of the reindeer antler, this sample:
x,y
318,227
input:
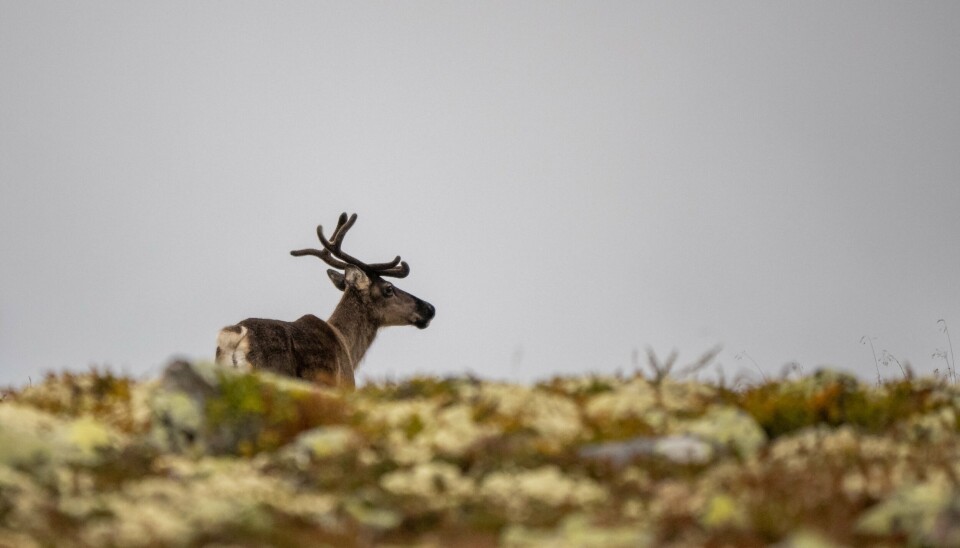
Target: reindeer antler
x,y
337,258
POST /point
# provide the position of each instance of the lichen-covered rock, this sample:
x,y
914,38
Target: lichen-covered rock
x,y
925,512
726,426
432,485
413,431
520,493
325,442
207,408
30,439
636,399
579,530
936,426
552,416
23,502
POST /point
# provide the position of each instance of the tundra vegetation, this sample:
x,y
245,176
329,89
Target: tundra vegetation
x,y
206,455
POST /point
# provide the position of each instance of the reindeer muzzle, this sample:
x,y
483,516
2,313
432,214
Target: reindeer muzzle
x,y
426,312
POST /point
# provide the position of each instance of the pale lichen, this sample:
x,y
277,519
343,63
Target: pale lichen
x,y
726,426
518,492
555,417
722,511
325,442
435,485
633,399
579,529
913,510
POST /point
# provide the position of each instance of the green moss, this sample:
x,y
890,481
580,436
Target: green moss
x,y
619,429
249,413
784,407
579,389
240,397
416,387
412,426
99,394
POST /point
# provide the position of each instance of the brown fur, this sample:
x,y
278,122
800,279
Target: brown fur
x,y
307,348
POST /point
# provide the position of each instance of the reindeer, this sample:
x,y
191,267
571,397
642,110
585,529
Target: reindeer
x,y
328,351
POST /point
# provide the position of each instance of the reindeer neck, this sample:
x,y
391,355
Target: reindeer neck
x,y
355,325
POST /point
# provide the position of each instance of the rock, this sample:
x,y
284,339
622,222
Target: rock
x,y
196,381
680,449
684,449
694,442
178,419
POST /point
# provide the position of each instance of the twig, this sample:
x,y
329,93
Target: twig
x,y
660,370
701,362
743,354
876,362
952,363
887,356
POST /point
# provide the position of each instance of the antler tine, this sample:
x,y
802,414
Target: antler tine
x,y
334,247
385,266
336,239
332,261
325,255
397,271
333,255
305,252
343,225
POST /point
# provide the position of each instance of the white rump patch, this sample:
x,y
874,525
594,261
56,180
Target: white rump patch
x,y
233,348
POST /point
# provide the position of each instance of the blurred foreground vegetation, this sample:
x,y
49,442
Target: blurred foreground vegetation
x,y
207,456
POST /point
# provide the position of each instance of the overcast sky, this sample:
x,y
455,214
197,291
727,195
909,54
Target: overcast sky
x,y
569,181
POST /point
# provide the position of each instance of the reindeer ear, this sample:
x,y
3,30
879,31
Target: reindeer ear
x,y
337,278
357,278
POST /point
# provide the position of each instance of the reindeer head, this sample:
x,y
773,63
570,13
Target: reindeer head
x,y
385,303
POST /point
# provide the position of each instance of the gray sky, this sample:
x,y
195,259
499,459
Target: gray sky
x,y
568,181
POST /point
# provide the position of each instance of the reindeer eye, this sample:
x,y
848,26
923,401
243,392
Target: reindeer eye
x,y
388,290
